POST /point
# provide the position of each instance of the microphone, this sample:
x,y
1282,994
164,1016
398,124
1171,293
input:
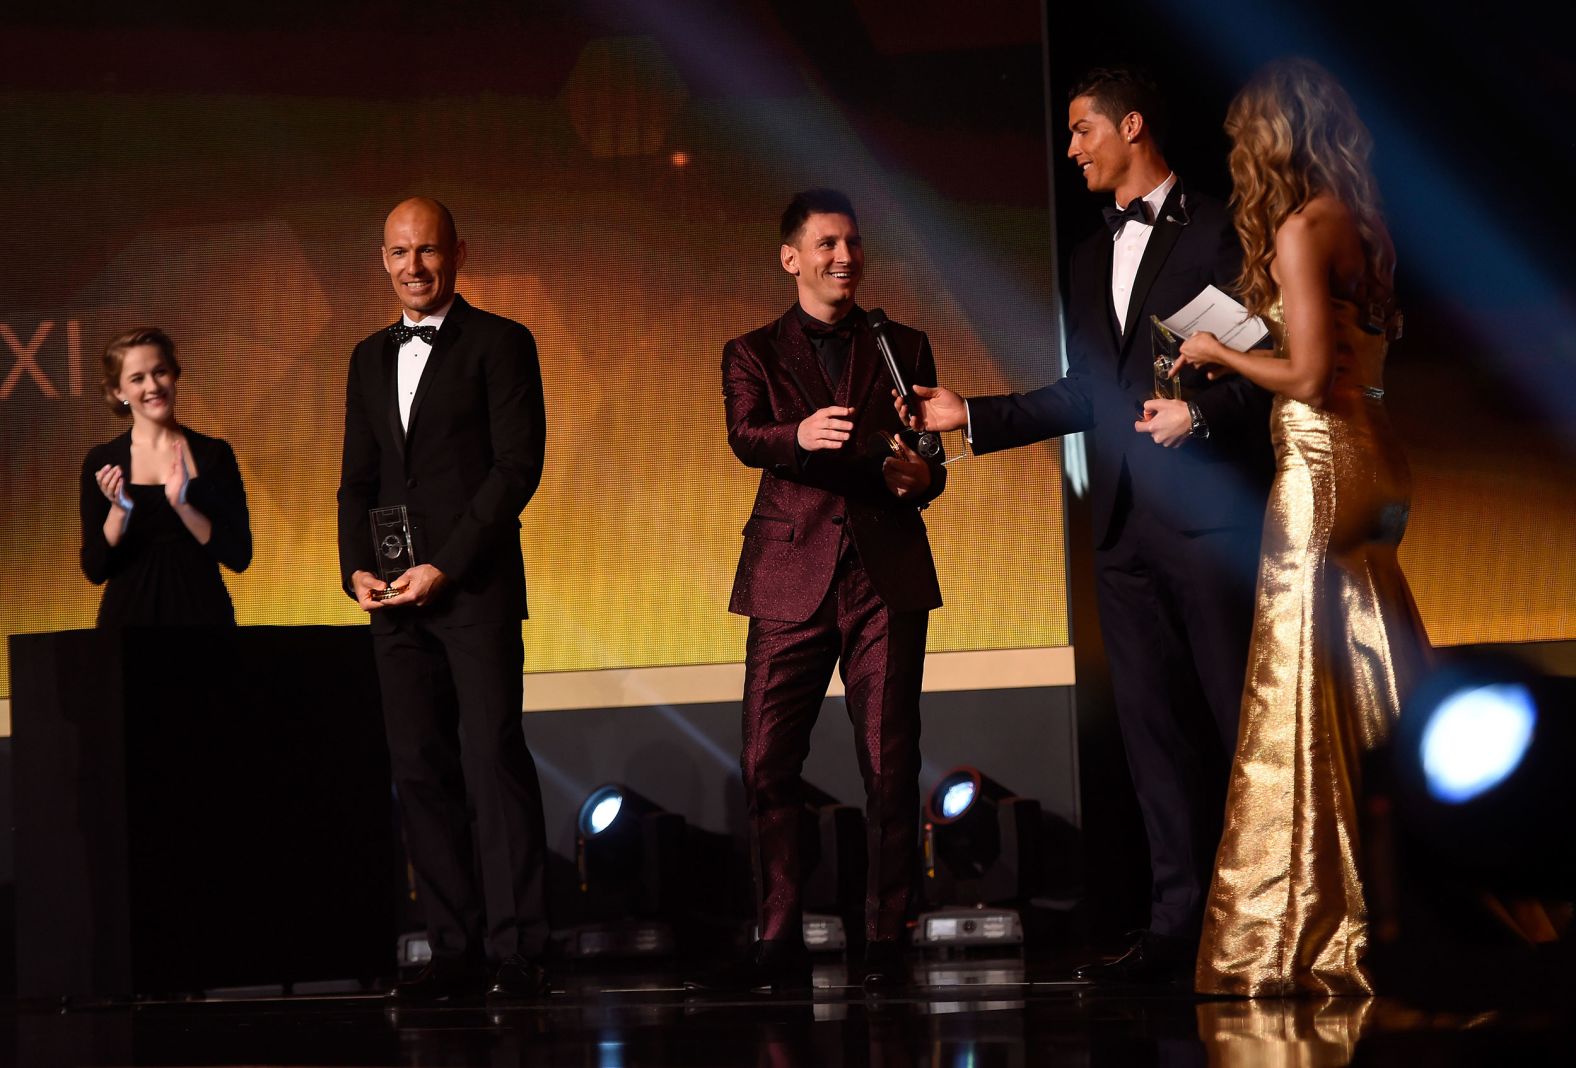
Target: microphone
x,y
929,444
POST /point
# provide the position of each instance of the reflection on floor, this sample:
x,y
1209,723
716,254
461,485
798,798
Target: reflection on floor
x,y
959,1013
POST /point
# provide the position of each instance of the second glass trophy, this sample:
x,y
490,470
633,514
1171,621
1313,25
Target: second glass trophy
x,y
391,541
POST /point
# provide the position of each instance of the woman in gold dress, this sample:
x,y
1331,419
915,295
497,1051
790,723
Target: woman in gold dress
x,y
1336,637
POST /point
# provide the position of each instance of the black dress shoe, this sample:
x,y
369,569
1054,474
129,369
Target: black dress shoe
x,y
518,979
441,979
770,967
1152,960
885,968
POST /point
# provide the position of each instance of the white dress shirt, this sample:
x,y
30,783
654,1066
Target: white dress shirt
x,y
413,361
1130,242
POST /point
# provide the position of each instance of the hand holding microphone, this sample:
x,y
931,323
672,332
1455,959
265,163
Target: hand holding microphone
x,y
929,443
938,408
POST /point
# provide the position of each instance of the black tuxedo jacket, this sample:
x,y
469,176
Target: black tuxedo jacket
x,y
470,461
1205,484
806,501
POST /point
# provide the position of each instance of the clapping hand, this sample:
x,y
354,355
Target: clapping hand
x,y
178,478
112,483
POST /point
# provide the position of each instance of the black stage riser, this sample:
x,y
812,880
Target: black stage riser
x,y
199,808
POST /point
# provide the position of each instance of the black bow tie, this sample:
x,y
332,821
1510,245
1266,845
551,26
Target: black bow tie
x,y
1135,210
402,333
843,328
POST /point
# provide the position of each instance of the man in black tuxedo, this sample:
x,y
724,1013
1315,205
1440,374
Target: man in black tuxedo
x,y
1177,490
444,415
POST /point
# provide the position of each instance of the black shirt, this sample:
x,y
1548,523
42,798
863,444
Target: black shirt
x,y
832,342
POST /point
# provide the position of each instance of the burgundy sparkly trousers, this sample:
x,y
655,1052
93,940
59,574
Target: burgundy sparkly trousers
x,y
787,669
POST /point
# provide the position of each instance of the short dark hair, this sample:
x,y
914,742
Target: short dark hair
x,y
1117,91
114,358
814,202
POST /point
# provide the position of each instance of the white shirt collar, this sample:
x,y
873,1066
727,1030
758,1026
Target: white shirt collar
x,y
1155,199
435,319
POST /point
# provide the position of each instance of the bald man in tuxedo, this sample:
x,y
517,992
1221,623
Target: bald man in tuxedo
x,y
444,415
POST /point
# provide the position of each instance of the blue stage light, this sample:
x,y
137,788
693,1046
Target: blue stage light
x,y
954,795
600,810
640,869
980,845
957,798
605,813
1479,775
1476,739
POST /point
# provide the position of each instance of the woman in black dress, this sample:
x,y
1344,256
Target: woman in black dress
x,y
162,505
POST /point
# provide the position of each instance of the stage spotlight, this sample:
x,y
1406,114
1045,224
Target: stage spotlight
x,y
600,810
981,848
982,836
957,796
629,855
1475,739
648,881
961,832
1469,834
630,846
1482,759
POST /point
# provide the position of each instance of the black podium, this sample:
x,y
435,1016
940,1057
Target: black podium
x,y
199,808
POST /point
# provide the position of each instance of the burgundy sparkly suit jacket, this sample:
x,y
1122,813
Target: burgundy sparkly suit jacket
x,y
808,502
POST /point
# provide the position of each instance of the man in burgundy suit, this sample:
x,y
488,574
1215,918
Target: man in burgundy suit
x,y
835,568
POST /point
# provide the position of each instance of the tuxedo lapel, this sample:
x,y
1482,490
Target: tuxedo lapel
x,y
864,360
1106,312
388,361
798,360
1167,230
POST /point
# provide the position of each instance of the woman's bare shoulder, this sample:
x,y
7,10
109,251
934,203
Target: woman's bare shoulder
x,y
1324,218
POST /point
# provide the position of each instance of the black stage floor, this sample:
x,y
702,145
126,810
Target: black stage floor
x,y
969,1014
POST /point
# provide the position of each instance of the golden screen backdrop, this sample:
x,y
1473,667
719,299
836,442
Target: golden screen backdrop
x,y
629,222
224,174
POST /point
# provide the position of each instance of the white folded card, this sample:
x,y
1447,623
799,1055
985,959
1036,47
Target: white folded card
x,y
1214,311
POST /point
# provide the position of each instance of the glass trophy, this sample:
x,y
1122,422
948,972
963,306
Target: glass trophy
x,y
1165,344
391,542
927,443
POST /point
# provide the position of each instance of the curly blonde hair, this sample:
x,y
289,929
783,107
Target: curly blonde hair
x,y
1295,135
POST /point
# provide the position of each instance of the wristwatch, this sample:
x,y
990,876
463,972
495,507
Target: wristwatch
x,y
1199,429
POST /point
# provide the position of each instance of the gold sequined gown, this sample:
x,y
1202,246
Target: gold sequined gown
x,y
1336,642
